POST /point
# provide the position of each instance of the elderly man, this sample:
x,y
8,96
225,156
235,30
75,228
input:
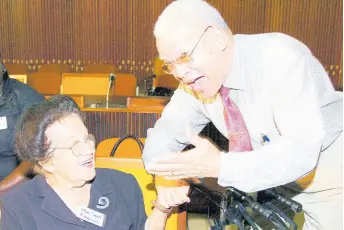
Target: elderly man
x,y
266,93
15,98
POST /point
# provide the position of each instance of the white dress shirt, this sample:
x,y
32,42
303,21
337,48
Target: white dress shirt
x,y
283,92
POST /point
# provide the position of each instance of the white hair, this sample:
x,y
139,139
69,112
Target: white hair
x,y
181,15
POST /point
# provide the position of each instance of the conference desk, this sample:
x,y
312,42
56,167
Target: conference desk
x,y
118,122
124,115
129,115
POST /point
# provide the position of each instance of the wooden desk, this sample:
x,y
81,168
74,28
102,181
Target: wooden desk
x,y
138,115
97,84
136,120
84,84
118,122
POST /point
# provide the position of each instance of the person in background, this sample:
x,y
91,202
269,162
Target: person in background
x,y
15,98
68,192
266,93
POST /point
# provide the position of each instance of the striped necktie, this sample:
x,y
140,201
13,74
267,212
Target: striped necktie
x,y
239,138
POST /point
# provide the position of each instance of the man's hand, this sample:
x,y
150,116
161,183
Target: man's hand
x,y
202,161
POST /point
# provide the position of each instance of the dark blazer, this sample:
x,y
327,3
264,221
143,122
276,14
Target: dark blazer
x,y
16,98
35,205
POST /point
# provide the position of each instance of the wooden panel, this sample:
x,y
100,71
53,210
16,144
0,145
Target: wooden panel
x,y
124,110
99,68
97,84
16,69
125,85
79,100
105,125
36,32
57,68
84,84
45,83
147,102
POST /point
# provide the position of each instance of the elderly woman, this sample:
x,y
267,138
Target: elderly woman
x,y
68,192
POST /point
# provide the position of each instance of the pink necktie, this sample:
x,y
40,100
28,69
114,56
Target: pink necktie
x,y
239,139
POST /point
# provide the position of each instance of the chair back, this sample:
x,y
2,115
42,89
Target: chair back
x,y
128,148
125,84
127,158
45,83
166,81
20,77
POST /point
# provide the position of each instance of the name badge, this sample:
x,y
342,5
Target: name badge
x,y
3,123
92,216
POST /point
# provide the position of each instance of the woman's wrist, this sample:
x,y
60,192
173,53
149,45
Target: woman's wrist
x,y
161,208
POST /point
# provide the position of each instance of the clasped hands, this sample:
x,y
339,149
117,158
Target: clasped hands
x,y
201,161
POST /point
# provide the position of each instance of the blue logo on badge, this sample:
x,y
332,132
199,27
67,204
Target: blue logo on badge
x,y
103,203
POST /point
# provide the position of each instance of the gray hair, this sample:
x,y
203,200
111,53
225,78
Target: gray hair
x,y
31,142
181,15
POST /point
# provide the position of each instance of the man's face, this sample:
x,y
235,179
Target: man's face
x,y
196,66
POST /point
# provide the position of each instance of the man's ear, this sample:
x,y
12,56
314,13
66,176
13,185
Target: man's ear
x,y
220,37
215,39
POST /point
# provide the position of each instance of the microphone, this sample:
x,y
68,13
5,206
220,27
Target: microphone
x,y
252,204
293,205
281,214
111,83
243,212
234,217
255,206
111,80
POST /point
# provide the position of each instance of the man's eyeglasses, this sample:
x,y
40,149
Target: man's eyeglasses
x,y
81,148
185,58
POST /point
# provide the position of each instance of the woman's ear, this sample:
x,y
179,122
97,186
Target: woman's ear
x,y
47,165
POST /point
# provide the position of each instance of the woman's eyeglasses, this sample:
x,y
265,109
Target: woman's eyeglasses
x,y
80,148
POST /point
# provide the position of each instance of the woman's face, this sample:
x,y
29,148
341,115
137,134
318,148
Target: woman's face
x,y
73,150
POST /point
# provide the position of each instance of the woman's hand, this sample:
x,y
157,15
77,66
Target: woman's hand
x,y
169,197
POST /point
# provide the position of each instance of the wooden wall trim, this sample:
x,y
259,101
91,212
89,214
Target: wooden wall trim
x,y
81,32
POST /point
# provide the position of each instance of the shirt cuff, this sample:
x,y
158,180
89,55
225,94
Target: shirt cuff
x,y
230,167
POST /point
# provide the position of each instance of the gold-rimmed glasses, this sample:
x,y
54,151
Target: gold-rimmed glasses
x,y
185,58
